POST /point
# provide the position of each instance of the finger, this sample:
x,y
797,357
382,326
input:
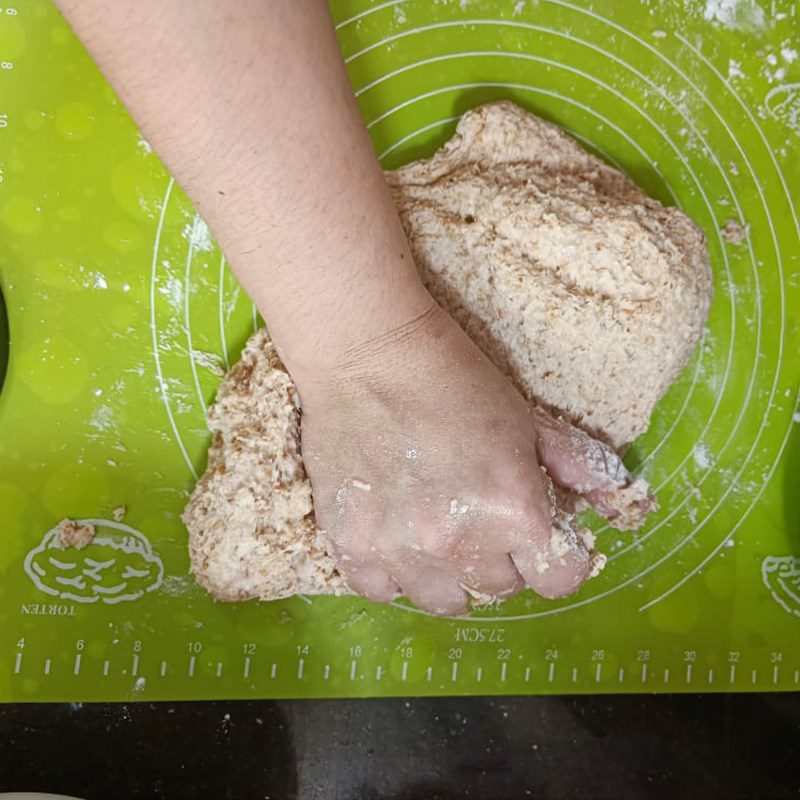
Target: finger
x,y
486,576
626,508
465,546
482,525
556,569
576,460
432,589
373,583
593,470
548,552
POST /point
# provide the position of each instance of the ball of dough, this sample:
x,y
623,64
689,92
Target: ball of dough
x,y
589,295
250,517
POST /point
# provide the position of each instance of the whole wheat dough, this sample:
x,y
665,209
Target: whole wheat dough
x,y
74,534
588,294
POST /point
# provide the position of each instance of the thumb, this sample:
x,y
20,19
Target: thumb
x,y
592,470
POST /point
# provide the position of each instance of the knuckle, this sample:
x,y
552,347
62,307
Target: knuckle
x,y
387,542
351,544
530,509
523,492
438,544
373,583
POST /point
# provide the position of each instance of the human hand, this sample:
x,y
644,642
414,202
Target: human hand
x,y
426,466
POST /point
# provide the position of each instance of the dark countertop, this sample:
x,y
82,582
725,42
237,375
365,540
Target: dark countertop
x,y
731,746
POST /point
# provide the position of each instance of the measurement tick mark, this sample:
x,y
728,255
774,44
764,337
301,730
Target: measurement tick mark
x,y
775,674
300,669
479,674
797,676
527,674
574,674
327,672
18,664
597,673
192,662
77,668
754,676
273,670
688,673
378,673
106,668
428,673
711,676
246,671
404,673
163,668
135,666
666,676
552,671
47,667
454,674
352,670
503,669
621,674
733,672
219,669
644,672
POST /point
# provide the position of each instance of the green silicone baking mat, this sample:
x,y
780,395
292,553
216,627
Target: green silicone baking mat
x,y
122,315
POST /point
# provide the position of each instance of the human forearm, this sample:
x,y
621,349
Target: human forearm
x,y
249,106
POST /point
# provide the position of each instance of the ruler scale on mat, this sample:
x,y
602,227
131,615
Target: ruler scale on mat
x,y
122,315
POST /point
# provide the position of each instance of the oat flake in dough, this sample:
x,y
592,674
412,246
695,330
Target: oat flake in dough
x,y
588,294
